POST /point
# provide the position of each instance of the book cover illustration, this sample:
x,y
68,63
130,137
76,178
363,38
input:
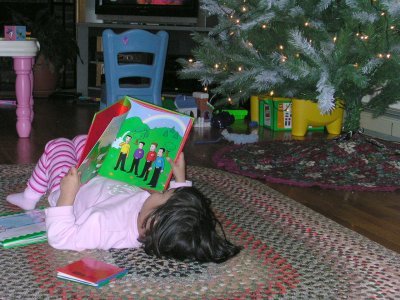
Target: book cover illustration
x,y
137,152
94,160
90,271
22,228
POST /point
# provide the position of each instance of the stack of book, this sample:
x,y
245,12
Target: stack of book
x,y
90,271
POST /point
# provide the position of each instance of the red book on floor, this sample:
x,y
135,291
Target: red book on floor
x,y
90,271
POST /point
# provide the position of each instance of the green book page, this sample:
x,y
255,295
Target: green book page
x,y
93,161
147,137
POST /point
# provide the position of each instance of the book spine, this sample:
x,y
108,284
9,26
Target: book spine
x,y
108,280
24,240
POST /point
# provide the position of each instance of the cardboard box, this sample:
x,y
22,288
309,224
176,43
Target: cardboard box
x,y
14,33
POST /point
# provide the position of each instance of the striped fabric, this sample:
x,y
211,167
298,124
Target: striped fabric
x,y
58,157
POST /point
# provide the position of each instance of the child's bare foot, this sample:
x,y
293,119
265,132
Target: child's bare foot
x,y
26,200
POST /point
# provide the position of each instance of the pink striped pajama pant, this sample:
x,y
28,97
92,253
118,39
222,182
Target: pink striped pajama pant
x,y
58,157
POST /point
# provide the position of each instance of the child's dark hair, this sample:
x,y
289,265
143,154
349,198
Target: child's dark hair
x,y
185,228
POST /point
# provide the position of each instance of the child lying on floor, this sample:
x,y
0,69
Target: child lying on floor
x,y
104,213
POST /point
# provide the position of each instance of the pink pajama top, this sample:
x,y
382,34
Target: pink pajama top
x,y
103,216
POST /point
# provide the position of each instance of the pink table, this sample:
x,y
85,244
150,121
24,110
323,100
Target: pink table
x,y
23,54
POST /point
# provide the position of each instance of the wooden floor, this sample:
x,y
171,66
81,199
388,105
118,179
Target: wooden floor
x,y
376,215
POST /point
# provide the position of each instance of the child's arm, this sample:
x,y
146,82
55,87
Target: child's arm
x,y
69,187
62,232
178,168
179,171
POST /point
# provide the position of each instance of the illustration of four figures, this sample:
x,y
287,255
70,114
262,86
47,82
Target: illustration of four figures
x,y
153,158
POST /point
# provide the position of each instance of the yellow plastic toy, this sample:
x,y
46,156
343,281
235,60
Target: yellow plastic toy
x,y
306,113
254,108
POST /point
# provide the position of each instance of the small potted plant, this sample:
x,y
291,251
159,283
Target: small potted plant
x,y
58,48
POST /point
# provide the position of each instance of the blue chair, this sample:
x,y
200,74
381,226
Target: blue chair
x,y
134,63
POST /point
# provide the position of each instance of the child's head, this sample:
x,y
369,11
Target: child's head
x,y
185,227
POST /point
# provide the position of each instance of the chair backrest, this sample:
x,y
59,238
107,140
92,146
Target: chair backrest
x,y
134,63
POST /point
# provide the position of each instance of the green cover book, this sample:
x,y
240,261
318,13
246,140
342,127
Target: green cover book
x,y
21,229
130,141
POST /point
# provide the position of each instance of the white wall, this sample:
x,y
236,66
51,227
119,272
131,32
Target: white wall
x,y
90,15
385,126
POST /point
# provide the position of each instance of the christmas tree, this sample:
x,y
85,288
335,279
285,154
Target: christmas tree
x,y
322,50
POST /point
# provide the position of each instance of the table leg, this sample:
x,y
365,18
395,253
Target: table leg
x,y
23,90
31,79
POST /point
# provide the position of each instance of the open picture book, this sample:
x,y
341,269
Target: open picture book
x,y
131,140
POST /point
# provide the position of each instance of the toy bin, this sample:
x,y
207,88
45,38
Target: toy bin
x,y
239,114
306,114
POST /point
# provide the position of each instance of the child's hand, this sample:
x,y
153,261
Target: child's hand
x,y
69,187
178,168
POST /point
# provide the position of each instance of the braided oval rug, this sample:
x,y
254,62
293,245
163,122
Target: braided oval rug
x,y
290,252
